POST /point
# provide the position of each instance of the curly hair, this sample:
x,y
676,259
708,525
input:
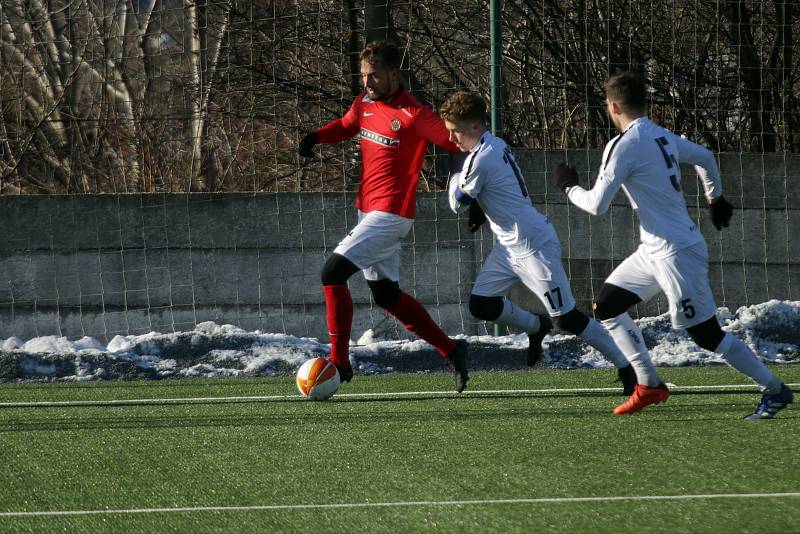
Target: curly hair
x,y
464,106
386,54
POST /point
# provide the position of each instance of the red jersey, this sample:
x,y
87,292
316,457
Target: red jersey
x,y
394,138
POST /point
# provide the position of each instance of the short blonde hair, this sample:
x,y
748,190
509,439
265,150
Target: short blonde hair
x,y
464,106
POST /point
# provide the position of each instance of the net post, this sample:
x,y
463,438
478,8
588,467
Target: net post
x,y
496,82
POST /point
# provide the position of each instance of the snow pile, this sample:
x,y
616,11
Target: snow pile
x,y
771,329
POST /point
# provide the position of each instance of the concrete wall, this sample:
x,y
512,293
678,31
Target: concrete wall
x,y
116,264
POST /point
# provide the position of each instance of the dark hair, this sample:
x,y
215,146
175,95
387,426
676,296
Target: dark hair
x,y
629,89
386,54
464,106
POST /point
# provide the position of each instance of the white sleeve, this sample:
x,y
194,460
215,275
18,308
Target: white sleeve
x,y
465,185
612,175
705,165
452,191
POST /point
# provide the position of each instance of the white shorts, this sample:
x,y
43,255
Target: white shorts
x,y
374,244
683,277
542,272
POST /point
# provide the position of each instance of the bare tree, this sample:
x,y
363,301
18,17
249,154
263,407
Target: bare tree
x,y
82,79
212,95
205,27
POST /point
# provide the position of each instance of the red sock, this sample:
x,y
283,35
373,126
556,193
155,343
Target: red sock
x,y
414,317
339,313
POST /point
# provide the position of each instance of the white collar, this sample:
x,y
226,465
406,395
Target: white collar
x,y
481,141
636,121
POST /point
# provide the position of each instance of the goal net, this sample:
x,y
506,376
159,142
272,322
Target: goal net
x,y
149,175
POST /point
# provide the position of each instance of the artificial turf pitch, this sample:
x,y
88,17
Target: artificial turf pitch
x,y
247,455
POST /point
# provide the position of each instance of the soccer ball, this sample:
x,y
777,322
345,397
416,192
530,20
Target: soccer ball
x,y
318,379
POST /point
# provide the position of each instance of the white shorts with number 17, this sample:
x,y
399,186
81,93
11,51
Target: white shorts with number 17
x,y
683,277
542,272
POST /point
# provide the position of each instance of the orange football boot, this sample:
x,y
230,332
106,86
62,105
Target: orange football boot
x,y
642,396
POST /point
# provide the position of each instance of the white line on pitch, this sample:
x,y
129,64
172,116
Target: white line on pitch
x,y
484,502
376,395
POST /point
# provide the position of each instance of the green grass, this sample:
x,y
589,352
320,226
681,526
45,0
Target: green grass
x,y
391,450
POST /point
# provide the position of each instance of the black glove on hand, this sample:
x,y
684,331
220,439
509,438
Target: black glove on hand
x,y
446,167
307,144
455,162
721,212
566,176
476,217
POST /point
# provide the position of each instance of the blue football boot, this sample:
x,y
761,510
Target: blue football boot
x,y
772,404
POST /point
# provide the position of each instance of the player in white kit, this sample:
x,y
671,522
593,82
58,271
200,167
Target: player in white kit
x,y
527,247
643,161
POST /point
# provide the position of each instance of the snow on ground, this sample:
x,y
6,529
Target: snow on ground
x,y
771,329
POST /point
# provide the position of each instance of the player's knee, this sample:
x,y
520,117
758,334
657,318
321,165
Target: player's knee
x,y
337,270
386,293
613,301
573,322
604,310
707,334
485,308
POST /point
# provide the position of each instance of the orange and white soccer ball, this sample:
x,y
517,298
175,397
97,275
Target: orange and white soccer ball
x,y
318,379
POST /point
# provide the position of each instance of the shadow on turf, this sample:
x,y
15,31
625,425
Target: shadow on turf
x,y
445,395
525,395
79,404
666,414
433,416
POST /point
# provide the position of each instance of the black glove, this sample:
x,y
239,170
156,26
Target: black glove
x,y
721,212
476,217
455,162
307,144
566,176
446,165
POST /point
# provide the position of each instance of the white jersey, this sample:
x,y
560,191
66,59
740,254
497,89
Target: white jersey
x,y
644,162
490,175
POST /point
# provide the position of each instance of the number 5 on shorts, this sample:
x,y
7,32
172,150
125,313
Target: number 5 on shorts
x,y
688,309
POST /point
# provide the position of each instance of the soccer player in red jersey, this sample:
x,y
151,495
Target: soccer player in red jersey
x,y
394,129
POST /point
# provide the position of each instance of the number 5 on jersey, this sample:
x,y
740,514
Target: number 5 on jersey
x,y
671,162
